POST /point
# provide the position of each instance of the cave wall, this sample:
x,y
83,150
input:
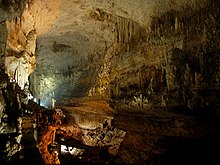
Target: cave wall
x,y
11,110
17,62
8,10
176,65
82,64
127,35
18,42
20,22
65,70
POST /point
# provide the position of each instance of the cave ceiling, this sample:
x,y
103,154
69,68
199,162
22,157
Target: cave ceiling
x,y
83,27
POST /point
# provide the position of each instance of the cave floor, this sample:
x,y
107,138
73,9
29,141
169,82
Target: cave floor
x,y
155,137
152,137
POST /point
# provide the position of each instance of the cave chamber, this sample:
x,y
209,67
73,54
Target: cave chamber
x,y
109,82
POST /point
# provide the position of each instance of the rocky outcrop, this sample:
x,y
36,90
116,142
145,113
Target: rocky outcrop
x,y
20,51
17,62
20,23
10,118
9,10
18,44
109,139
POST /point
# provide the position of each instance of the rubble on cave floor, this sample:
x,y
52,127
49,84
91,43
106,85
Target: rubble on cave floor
x,y
87,129
155,137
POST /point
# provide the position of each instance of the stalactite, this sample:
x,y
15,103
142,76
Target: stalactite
x,y
128,31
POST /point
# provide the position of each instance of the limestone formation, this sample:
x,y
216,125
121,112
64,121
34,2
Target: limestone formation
x,y
10,118
155,63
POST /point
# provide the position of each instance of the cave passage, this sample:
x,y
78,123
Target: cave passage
x,y
109,82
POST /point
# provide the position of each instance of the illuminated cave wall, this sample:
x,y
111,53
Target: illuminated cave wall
x,y
176,65
65,71
21,22
19,27
172,63
14,50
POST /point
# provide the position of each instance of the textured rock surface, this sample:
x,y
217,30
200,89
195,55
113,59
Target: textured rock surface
x,y
10,118
88,40
17,59
91,123
170,67
21,22
20,51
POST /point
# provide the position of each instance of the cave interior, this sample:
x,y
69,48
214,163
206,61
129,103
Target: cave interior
x,y
110,82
